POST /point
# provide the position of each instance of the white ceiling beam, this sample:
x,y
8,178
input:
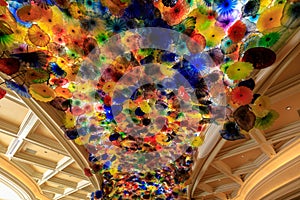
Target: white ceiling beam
x,y
34,160
264,145
30,122
225,169
39,140
52,119
63,163
244,169
68,191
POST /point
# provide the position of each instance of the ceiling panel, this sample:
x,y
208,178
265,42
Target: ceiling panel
x,y
12,112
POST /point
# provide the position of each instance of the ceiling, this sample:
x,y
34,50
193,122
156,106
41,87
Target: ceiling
x,y
33,144
33,149
225,171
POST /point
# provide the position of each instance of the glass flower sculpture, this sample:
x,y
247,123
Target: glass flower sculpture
x,y
139,81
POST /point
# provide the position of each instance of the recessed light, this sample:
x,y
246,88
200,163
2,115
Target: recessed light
x,y
288,108
242,156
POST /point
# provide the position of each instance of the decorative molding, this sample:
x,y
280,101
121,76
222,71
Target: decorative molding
x,y
14,184
273,174
22,177
285,192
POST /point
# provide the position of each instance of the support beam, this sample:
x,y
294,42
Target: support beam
x,y
29,123
225,169
63,163
245,169
264,145
34,160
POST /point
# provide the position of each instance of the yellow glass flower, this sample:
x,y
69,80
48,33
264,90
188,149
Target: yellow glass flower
x,y
19,33
239,70
82,140
51,17
270,18
261,106
108,87
145,107
69,120
198,141
42,92
162,139
213,35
